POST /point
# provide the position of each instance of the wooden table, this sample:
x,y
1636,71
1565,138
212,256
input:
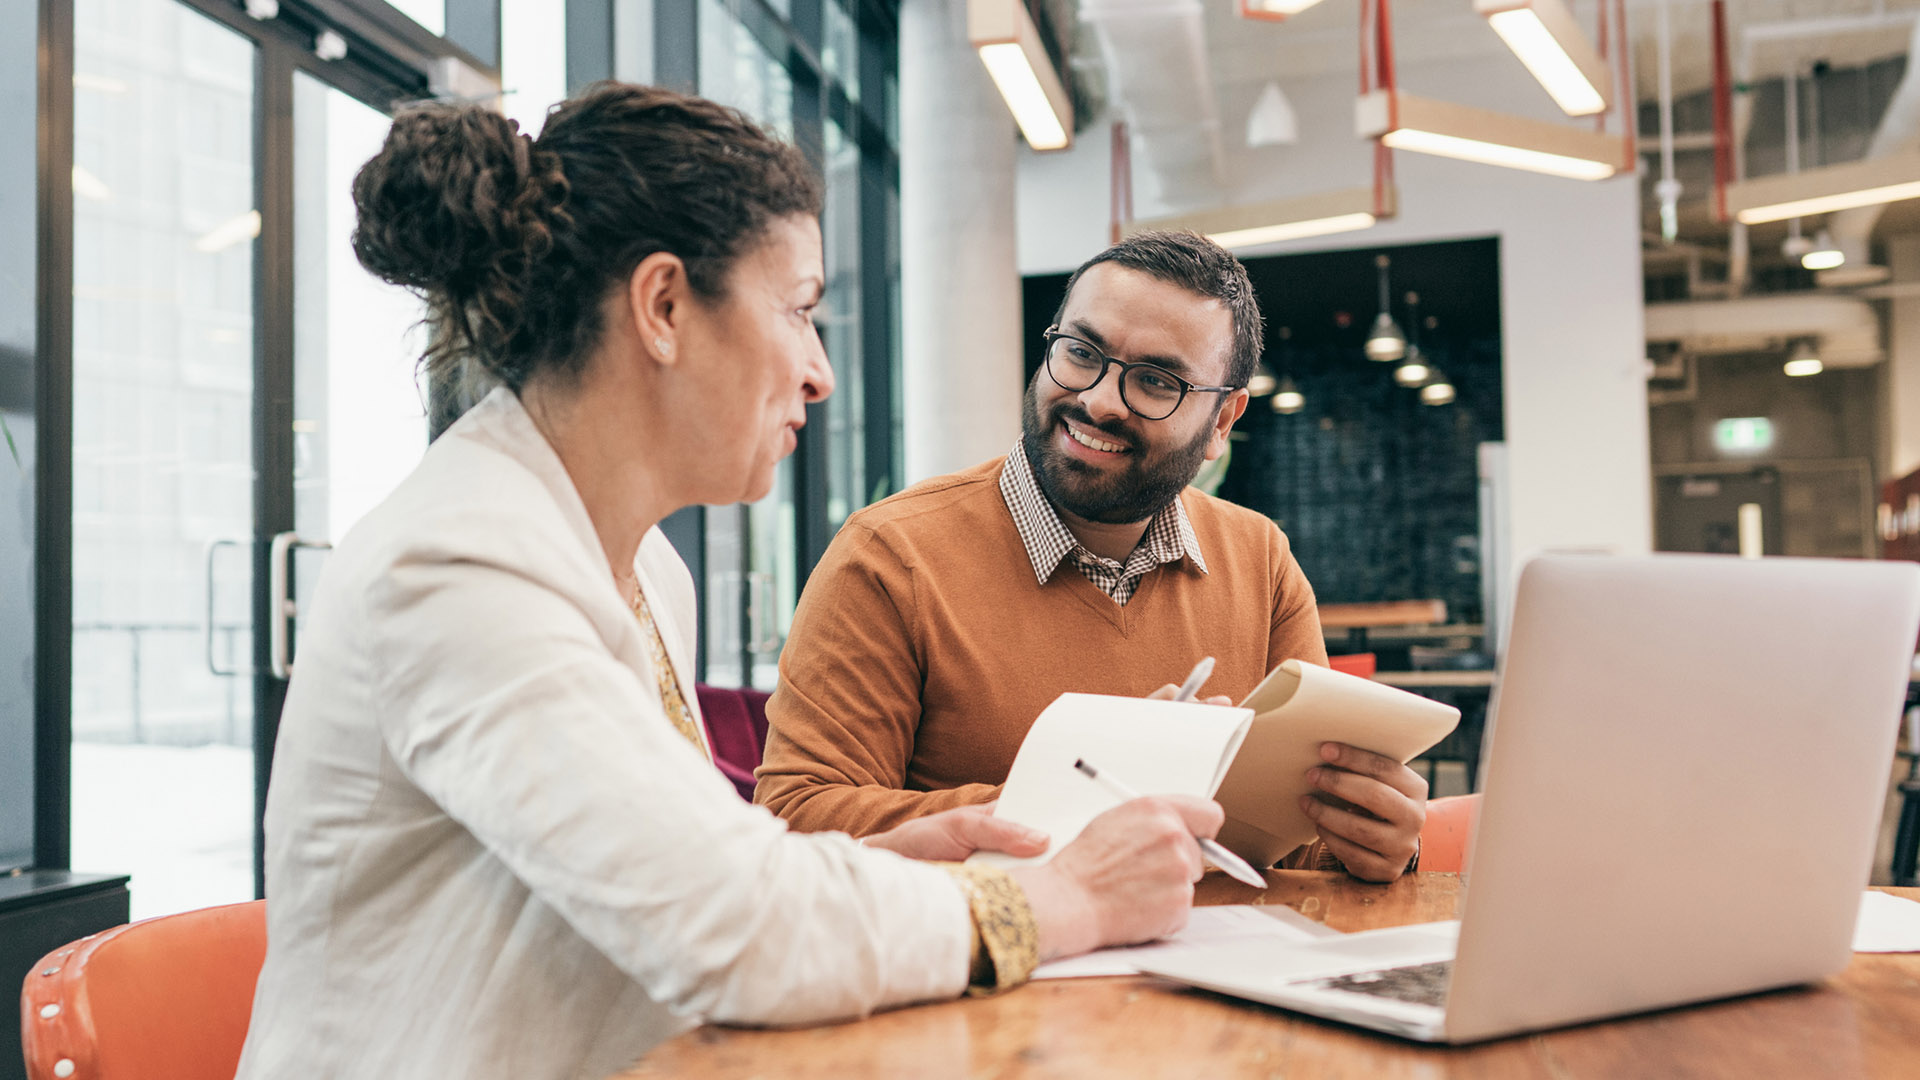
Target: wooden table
x,y
1357,619
1863,1023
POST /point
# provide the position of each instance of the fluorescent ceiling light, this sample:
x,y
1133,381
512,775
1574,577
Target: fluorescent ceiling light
x,y
1286,219
232,231
1544,35
1826,189
1425,126
1273,10
1010,48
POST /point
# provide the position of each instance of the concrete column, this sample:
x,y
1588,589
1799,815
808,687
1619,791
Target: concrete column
x,y
1903,362
959,275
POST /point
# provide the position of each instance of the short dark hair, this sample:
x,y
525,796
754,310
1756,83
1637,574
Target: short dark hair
x,y
1201,267
516,242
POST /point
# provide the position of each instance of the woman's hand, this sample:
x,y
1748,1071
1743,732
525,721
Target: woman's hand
x,y
1127,878
952,835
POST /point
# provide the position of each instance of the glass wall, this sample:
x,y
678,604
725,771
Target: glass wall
x,y
163,360
799,68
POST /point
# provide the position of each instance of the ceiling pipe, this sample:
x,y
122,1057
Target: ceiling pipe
x,y
1163,47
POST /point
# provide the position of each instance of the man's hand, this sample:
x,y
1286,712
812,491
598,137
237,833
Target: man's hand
x,y
952,835
1167,692
1369,810
1127,878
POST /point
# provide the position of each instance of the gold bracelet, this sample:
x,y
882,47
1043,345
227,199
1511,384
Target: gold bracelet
x,y
1006,937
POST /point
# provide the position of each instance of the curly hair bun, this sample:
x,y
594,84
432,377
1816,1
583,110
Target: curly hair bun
x,y
450,197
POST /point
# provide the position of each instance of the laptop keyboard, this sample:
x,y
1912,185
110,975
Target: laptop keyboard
x,y
1421,984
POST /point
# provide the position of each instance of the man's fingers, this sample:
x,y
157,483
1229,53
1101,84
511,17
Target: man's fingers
x,y
1165,693
1219,699
1381,768
1381,800
1377,836
1363,863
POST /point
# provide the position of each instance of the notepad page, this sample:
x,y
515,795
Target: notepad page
x,y
1155,747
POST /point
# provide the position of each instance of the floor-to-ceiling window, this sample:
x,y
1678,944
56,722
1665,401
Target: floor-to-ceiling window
x,y
801,67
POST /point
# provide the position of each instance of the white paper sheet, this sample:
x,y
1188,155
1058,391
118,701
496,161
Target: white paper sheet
x,y
1155,747
1223,924
1887,924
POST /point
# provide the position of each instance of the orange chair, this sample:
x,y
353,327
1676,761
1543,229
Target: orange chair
x,y
1360,663
161,999
1443,840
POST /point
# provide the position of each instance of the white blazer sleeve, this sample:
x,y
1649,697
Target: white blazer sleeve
x,y
500,701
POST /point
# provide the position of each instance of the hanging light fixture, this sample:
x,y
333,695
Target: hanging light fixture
x,y
1405,122
1386,341
1825,254
1263,382
1273,10
1287,398
1804,360
1413,369
1438,390
1271,121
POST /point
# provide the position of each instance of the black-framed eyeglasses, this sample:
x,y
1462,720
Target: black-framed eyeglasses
x,y
1150,391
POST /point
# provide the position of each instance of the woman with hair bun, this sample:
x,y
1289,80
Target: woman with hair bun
x,y
496,845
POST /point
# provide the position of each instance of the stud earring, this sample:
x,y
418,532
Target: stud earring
x,y
661,344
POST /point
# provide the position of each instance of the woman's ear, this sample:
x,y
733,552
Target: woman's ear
x,y
657,300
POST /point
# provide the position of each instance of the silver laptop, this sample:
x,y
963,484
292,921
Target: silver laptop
x,y
1687,764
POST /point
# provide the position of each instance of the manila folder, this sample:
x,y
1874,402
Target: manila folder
x,y
1297,707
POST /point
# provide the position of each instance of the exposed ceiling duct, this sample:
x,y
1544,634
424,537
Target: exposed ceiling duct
x,y
1848,328
1161,79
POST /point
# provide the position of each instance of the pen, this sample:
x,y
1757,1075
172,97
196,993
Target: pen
x,y
1195,679
1235,866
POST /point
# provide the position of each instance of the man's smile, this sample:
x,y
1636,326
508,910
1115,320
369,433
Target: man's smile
x,y
1090,440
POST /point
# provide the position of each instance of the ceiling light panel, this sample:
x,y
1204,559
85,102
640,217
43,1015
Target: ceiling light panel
x,y
1010,47
1547,39
1287,219
1825,190
1442,128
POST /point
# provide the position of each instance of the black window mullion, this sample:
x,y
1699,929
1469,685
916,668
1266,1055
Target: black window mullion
x,y
812,457
272,401
53,446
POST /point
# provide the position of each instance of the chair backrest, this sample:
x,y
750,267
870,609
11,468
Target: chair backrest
x,y
737,730
1443,839
1360,663
161,999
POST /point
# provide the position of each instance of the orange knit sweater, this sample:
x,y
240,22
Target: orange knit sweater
x,y
923,648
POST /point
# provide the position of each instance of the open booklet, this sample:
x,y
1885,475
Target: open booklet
x,y
1157,747
1252,758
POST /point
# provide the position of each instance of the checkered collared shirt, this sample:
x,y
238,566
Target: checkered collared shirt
x,y
1169,536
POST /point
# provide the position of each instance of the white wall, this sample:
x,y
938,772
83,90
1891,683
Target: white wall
x,y
1570,296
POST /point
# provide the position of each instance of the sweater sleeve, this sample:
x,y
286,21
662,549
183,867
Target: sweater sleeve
x,y
1295,630
841,725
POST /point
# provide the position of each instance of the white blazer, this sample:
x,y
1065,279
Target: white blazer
x,y
490,854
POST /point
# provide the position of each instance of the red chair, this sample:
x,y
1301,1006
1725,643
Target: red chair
x,y
1360,663
161,999
1443,839
737,730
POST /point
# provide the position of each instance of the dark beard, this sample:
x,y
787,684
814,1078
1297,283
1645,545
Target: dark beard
x,y
1149,483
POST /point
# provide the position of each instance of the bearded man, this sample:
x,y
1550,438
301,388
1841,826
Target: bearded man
x,y
942,620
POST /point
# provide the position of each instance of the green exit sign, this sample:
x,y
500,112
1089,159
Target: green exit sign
x,y
1743,434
